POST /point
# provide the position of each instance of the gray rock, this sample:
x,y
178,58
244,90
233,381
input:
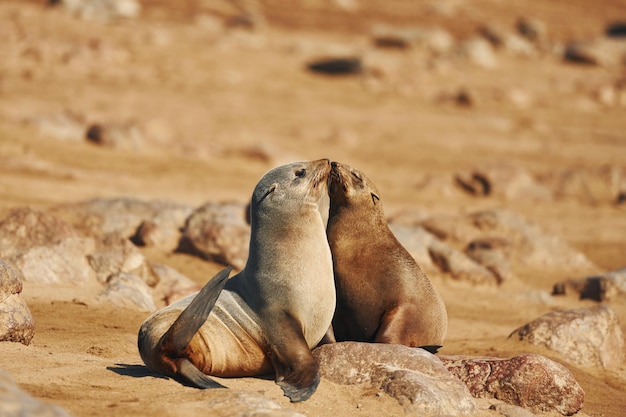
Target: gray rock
x,y
129,291
604,52
16,321
218,232
479,52
63,262
509,410
584,336
101,10
460,266
530,381
502,181
172,285
436,40
414,377
126,136
16,403
493,254
25,228
531,248
161,220
604,287
244,404
532,29
115,254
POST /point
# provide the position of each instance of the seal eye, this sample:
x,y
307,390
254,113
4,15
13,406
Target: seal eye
x,y
357,176
301,173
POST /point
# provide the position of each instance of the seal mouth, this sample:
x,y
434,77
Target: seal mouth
x,y
337,179
321,174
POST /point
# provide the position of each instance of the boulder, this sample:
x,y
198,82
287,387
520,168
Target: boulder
x,y
16,321
24,228
127,290
530,381
218,232
414,377
583,336
603,287
530,247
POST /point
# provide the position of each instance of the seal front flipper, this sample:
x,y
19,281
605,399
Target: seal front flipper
x,y
175,341
297,371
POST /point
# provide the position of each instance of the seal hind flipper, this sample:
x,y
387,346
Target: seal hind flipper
x,y
193,317
192,375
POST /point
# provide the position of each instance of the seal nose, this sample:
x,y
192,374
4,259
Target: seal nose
x,y
333,164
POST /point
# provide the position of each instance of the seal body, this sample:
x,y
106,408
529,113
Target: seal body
x,y
269,315
382,294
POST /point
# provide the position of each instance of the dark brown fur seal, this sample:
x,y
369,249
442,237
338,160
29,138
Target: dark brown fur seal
x,y
382,294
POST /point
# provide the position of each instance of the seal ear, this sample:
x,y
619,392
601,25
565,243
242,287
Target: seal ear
x,y
375,198
268,192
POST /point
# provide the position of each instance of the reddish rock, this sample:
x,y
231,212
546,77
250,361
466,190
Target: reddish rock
x,y
584,336
529,381
414,377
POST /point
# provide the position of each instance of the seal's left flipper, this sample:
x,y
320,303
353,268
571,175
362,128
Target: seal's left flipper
x,y
297,371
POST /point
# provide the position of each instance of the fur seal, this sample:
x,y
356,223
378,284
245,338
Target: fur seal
x,y
382,294
268,316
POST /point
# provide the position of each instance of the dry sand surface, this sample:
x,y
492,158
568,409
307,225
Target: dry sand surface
x,y
218,106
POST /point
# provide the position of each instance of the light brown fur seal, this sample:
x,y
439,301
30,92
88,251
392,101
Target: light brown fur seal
x,y
382,294
269,315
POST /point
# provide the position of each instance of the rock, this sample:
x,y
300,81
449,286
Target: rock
x,y
507,41
459,266
129,291
530,381
172,285
63,126
218,232
436,40
616,29
126,136
16,320
243,404
25,227
63,262
115,254
532,29
101,10
591,185
604,52
531,248
16,403
583,336
502,181
336,66
150,223
413,376
479,52
493,254
605,287
509,410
